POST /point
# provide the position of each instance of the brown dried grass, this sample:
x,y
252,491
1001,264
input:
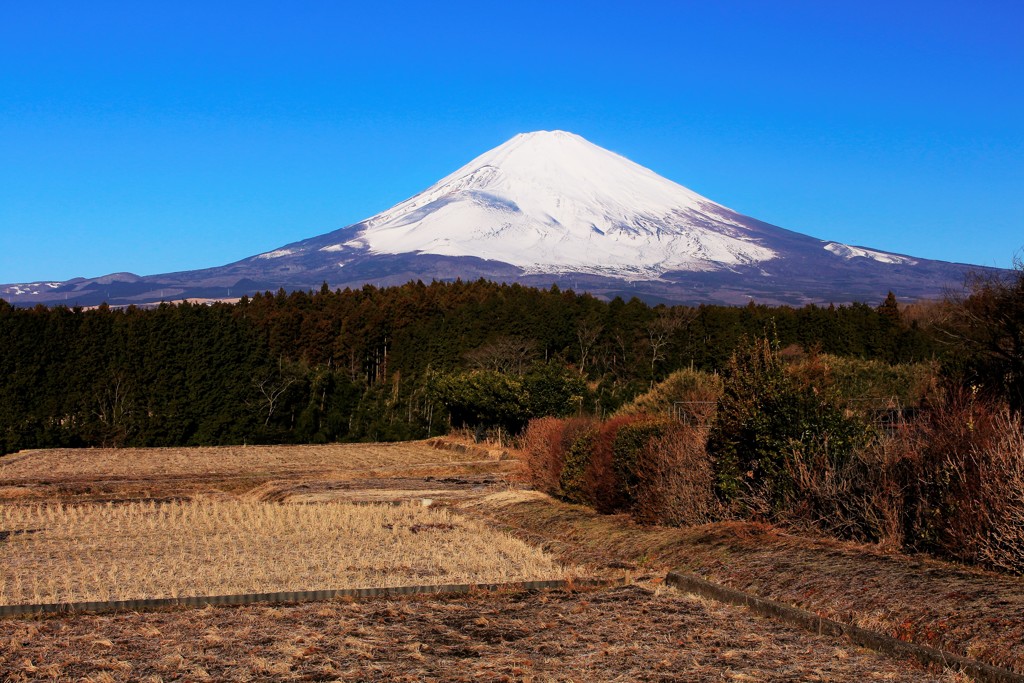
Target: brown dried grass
x,y
57,553
967,611
250,461
623,634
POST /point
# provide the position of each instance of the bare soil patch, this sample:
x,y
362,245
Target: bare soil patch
x,y
624,634
450,486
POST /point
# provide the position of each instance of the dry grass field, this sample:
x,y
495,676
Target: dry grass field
x,y
962,610
58,553
275,472
630,633
248,461
259,519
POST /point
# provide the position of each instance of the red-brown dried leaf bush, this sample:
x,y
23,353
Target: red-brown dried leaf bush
x,y
675,479
603,483
545,445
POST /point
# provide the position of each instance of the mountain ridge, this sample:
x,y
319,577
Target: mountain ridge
x,y
550,207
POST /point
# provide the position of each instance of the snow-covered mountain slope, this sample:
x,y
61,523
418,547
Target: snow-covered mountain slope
x,y
543,208
553,202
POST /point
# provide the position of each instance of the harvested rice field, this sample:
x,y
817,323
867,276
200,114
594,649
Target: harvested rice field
x,y
81,475
100,525
92,552
158,463
630,633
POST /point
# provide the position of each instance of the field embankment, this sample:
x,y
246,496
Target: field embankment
x,y
970,612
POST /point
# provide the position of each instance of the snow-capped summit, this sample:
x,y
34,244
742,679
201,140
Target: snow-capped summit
x,y
542,208
554,202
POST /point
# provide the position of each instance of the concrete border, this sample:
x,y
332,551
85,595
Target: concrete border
x,y
873,640
291,596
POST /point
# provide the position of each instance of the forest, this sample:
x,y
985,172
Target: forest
x,y
378,364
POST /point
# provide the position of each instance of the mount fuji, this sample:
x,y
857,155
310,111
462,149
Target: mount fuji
x,y
546,208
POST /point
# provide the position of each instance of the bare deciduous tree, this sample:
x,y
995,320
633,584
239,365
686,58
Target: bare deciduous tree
x,y
661,330
587,334
113,408
505,354
272,387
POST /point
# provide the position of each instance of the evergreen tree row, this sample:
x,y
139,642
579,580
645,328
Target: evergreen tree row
x,y
373,363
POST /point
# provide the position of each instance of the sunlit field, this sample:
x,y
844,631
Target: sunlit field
x,y
58,553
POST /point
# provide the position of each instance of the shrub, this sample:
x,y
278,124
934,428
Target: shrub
x,y
950,482
573,482
630,440
603,483
545,445
482,398
553,390
1000,469
686,394
542,454
675,479
945,483
859,497
848,379
879,497
764,417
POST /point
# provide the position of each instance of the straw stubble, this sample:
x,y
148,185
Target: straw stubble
x,y
59,553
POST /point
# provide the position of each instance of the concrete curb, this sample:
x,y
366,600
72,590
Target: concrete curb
x,y
860,636
290,597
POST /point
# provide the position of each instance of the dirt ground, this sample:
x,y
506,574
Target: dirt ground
x,y
630,633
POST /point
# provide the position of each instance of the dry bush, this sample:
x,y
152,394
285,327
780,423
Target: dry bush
x,y
921,485
1000,485
859,497
949,482
880,497
542,457
545,445
676,479
602,483
944,480
61,553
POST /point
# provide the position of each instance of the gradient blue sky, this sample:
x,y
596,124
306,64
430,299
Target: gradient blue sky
x,y
152,137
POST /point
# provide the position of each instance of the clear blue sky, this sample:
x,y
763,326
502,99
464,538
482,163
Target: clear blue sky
x,y
152,137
